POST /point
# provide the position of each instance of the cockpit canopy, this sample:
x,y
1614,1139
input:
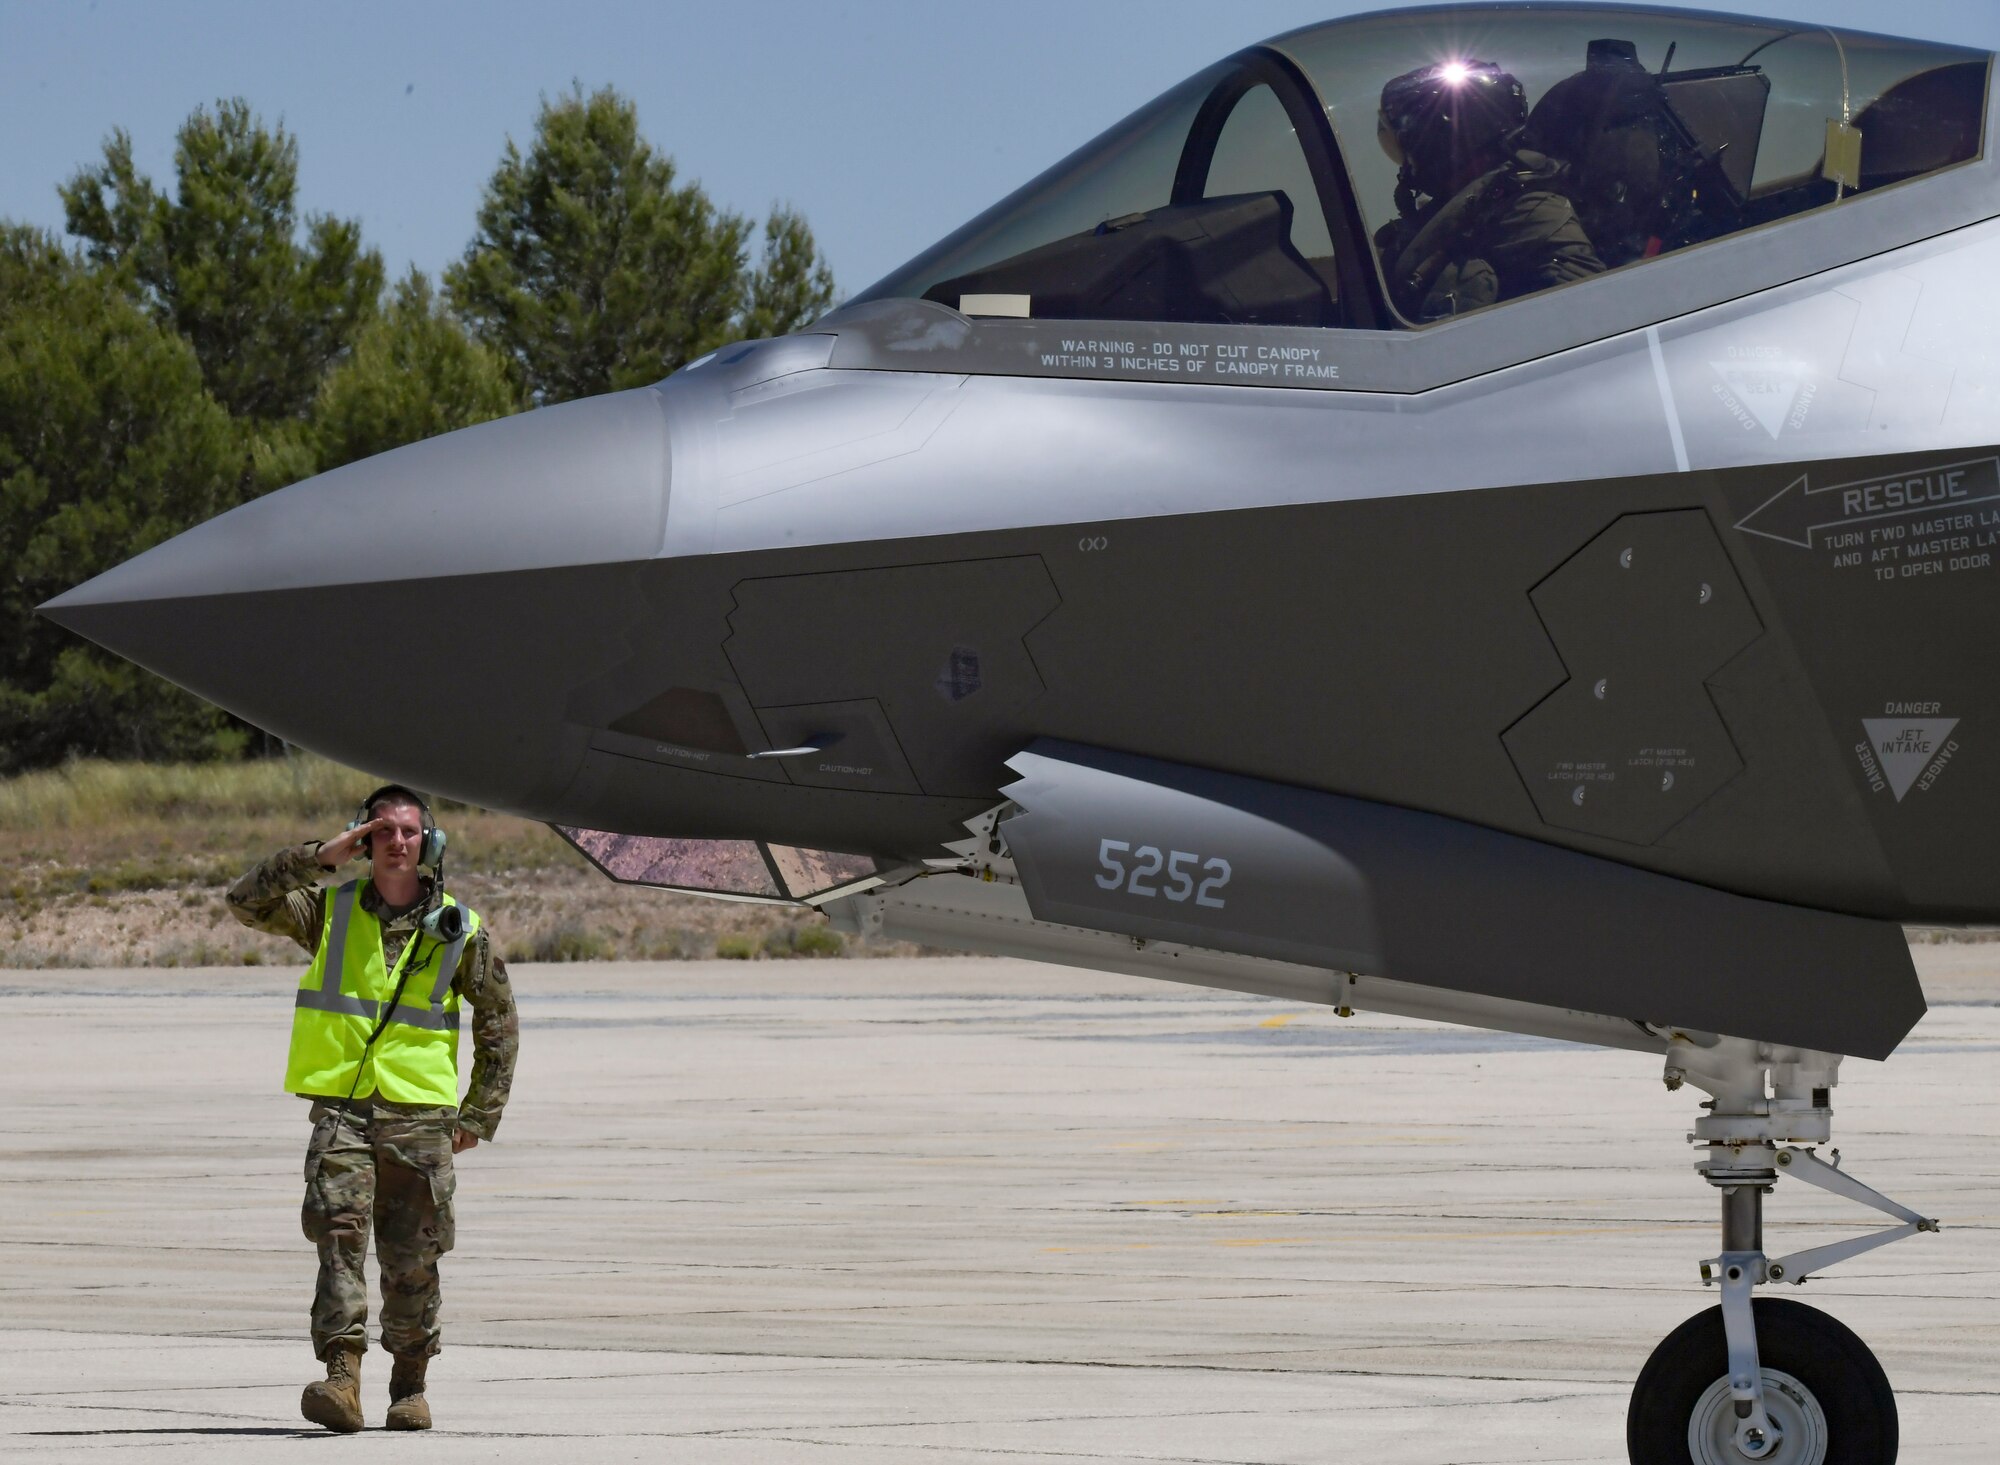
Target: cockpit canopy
x,y
1400,168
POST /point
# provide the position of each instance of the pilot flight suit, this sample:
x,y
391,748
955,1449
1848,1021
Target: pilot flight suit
x,y
370,1159
1508,232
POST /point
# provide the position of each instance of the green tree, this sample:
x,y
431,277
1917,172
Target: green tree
x,y
792,286
593,269
108,445
222,261
414,373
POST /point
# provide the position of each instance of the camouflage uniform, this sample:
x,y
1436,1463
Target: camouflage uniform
x,y
371,1161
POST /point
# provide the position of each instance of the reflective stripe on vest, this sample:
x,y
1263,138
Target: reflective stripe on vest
x,y
435,1017
335,952
321,1000
414,1058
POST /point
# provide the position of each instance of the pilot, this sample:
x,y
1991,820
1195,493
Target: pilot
x,y
1479,218
375,1048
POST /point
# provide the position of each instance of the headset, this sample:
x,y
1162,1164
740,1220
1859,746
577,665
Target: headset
x,y
430,853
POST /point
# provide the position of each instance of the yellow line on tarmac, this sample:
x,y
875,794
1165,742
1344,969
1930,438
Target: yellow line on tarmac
x,y
1271,1240
1084,1250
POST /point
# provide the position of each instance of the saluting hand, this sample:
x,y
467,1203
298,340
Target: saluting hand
x,y
337,851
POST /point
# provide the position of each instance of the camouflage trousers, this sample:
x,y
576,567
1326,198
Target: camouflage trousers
x,y
392,1168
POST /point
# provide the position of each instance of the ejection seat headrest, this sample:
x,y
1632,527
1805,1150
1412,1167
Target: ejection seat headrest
x,y
1607,125
1612,90
1611,53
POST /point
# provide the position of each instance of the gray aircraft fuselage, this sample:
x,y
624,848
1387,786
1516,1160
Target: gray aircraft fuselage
x,y
1566,570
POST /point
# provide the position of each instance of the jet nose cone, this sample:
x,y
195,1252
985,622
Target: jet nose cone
x,y
369,612
581,483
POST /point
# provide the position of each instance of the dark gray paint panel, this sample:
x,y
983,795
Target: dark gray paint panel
x,y
711,745
1376,648
685,717
1892,600
1381,649
705,760
1642,616
857,749
1353,885
941,648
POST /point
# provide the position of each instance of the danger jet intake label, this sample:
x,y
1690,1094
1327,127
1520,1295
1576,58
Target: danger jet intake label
x,y
1916,524
1907,749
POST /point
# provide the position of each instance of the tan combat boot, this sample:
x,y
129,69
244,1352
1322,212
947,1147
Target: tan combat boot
x,y
407,1409
335,1401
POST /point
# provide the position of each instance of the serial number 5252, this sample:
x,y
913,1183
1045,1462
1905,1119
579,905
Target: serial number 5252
x,y
1182,869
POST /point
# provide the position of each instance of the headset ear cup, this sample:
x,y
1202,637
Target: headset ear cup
x,y
434,842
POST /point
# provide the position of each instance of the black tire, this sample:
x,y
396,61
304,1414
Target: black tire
x,y
1819,1351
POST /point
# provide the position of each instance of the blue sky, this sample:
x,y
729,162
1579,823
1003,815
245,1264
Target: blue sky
x,y
889,123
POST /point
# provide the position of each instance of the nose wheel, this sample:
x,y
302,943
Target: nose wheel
x,y
1826,1399
1760,1380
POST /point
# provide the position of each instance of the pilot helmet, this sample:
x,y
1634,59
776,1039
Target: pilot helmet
x,y
1440,118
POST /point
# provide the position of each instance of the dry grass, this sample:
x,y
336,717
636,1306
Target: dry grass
x,y
101,828
124,864
99,795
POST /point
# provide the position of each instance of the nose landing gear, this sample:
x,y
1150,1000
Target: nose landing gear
x,y
1761,1379
1826,1400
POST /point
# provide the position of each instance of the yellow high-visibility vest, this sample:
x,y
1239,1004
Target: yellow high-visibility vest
x,y
339,1002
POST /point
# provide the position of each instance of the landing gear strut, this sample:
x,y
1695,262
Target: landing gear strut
x,y
1761,1379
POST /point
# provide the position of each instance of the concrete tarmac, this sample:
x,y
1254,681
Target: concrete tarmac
x,y
936,1212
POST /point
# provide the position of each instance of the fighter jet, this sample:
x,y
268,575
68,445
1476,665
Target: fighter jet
x,y
1481,512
